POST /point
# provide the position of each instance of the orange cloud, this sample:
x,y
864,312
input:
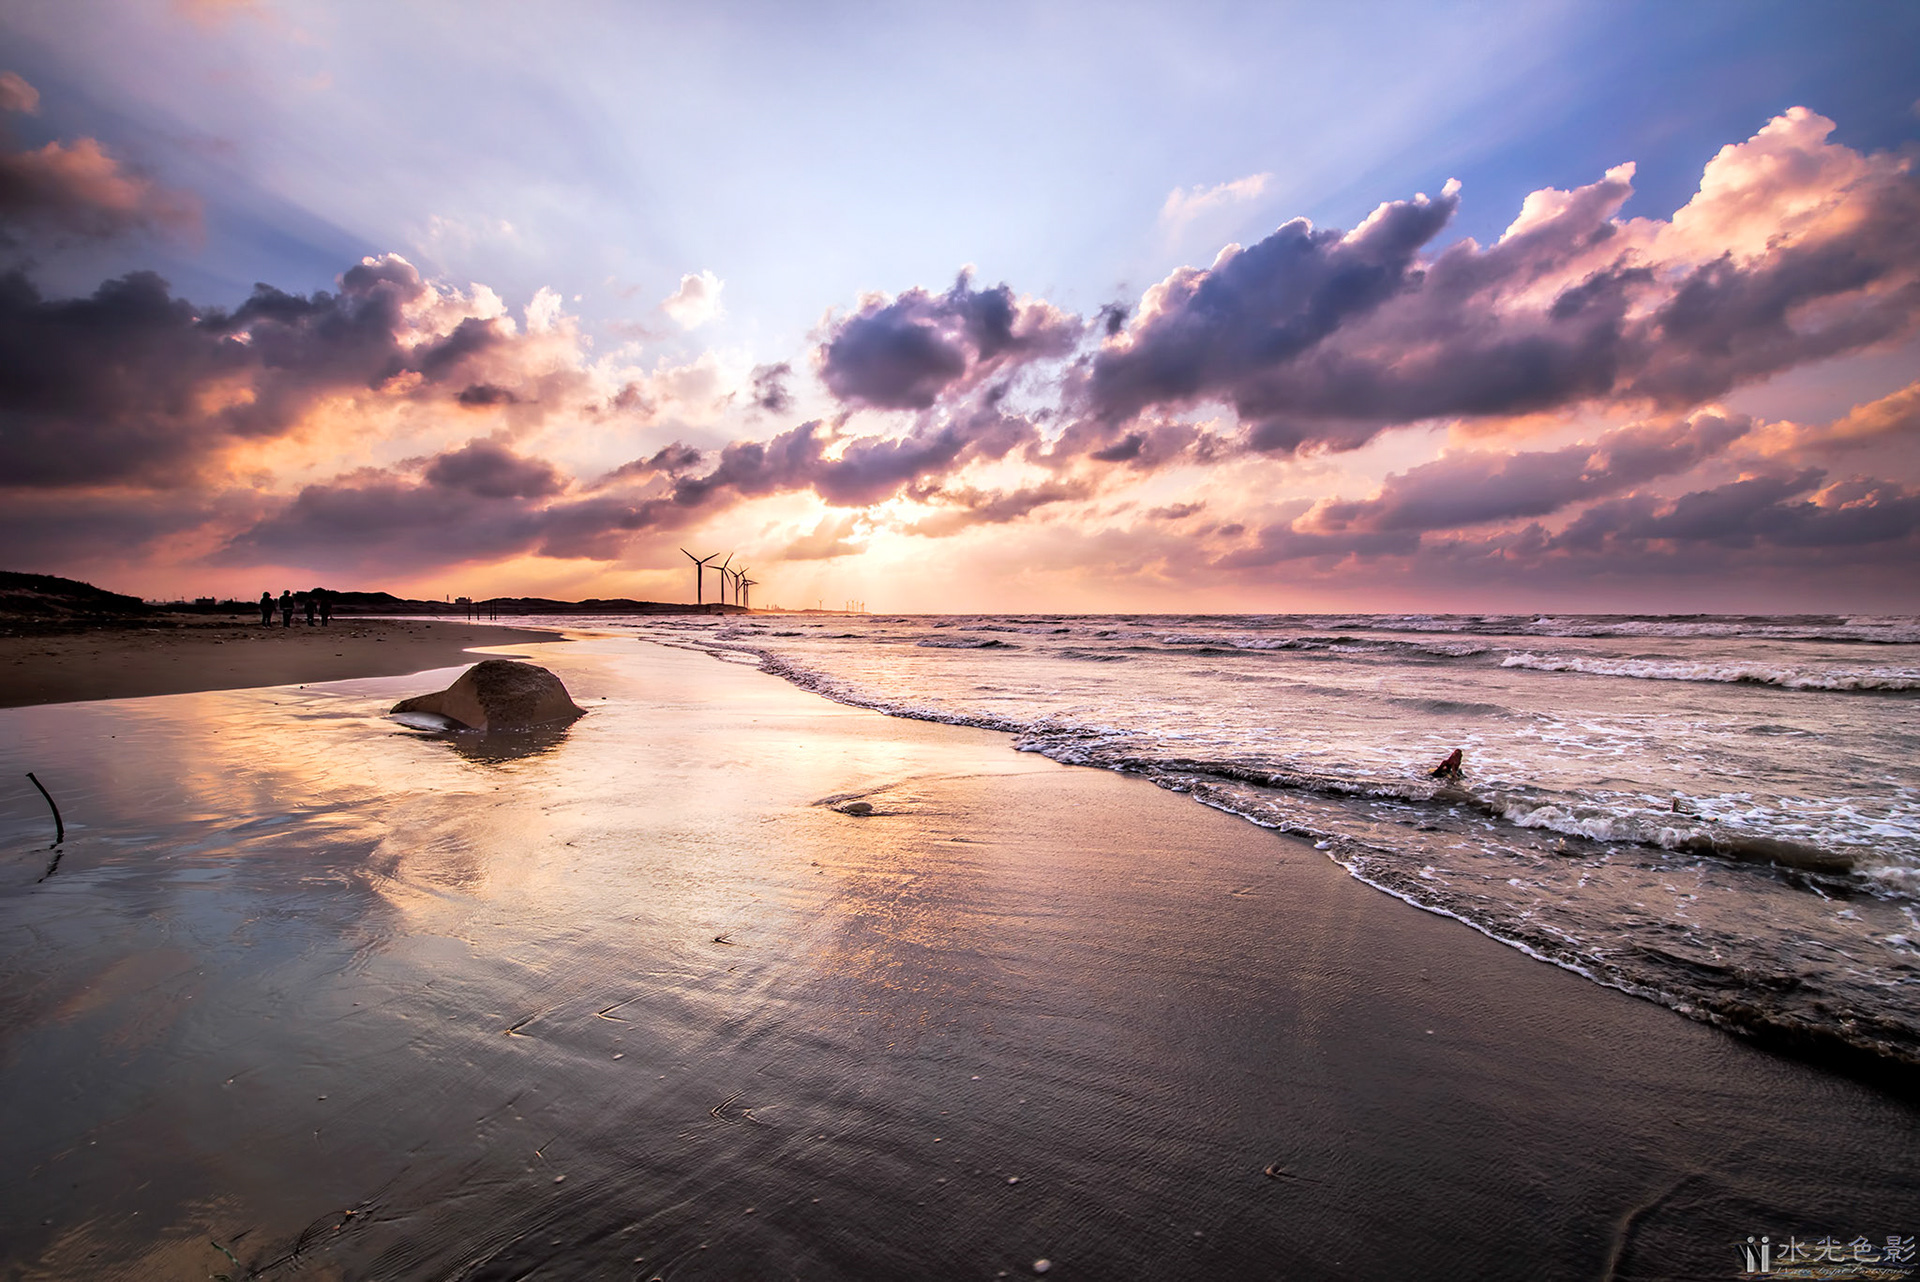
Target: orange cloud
x,y
66,191
17,95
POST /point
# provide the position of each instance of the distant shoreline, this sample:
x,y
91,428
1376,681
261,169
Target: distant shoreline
x,y
128,659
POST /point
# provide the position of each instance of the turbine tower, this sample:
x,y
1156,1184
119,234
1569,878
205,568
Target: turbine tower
x,y
746,593
699,570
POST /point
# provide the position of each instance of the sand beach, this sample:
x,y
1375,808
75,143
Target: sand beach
x,y
179,654
313,993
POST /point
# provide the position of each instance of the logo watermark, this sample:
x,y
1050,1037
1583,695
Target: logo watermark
x,y
1889,1259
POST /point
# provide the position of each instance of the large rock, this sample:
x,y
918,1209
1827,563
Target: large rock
x,y
499,694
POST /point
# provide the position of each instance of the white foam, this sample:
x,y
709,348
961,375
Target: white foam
x,y
1783,676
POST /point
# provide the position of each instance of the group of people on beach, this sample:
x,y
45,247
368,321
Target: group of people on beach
x,y
319,601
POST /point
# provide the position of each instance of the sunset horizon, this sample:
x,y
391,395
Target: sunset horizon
x,y
1603,358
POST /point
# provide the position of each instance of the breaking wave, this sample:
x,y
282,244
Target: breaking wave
x,y
1755,673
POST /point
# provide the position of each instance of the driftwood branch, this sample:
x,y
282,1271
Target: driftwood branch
x,y
59,828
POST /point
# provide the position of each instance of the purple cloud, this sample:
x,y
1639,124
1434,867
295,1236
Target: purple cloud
x,y
1319,339
907,353
134,386
63,192
1475,488
492,471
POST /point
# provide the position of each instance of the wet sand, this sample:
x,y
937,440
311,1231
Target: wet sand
x,y
132,661
630,1001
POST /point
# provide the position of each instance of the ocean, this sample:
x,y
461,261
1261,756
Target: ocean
x,y
1720,814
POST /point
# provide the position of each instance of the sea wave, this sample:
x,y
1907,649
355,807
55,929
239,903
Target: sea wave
x,y
1783,676
1632,821
1330,644
964,643
1844,629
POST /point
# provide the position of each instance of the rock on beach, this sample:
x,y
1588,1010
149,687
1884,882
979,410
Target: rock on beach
x,y
499,694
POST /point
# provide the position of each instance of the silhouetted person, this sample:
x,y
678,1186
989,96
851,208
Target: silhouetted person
x,y
312,606
286,608
326,607
266,608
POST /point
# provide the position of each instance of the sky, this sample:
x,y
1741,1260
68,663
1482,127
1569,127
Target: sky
x,y
992,307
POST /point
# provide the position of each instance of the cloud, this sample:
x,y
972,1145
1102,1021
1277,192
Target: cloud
x,y
967,507
1184,205
1142,446
696,302
860,470
209,14
134,386
696,391
1176,511
65,192
1895,414
770,387
1476,488
17,95
1229,386
499,503
1778,185
378,521
1785,509
1790,520
1227,331
906,353
482,395
832,537
1794,250
447,234
490,470
669,460
108,388
479,502
1884,420
71,530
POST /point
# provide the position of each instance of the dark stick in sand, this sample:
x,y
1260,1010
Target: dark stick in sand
x,y
59,828
230,1255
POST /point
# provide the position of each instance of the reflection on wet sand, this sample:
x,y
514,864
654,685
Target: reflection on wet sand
x,y
494,747
625,1000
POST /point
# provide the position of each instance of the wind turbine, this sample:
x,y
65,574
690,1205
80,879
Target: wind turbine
x,y
699,570
739,580
746,593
